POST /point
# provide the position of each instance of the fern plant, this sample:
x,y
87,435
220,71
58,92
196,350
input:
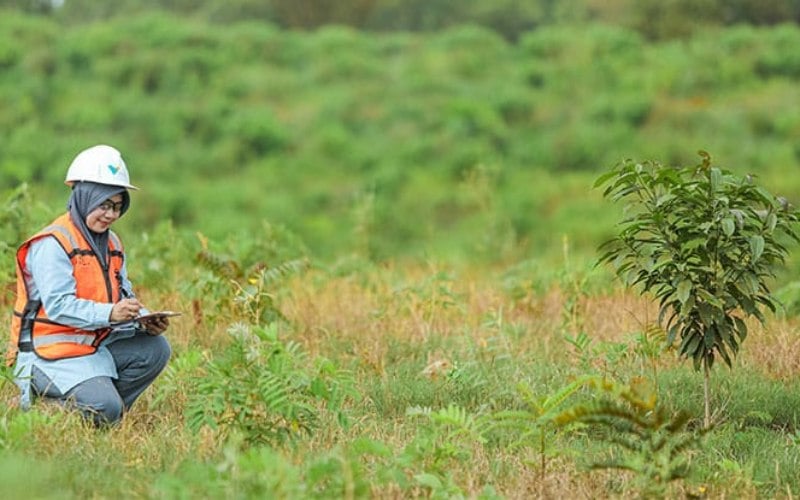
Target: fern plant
x,y
242,286
456,419
256,297
533,422
648,346
448,435
654,443
262,388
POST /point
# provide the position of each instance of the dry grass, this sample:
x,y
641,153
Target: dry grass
x,y
774,349
357,319
367,315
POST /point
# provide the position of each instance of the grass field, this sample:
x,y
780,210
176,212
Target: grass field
x,y
395,382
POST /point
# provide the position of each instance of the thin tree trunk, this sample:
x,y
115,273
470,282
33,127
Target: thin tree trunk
x,y
706,393
544,463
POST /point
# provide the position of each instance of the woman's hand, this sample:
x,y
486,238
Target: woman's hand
x,y
125,310
155,325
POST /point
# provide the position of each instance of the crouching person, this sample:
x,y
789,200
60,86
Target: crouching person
x,y
74,334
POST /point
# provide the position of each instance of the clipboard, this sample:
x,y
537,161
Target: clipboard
x,y
156,314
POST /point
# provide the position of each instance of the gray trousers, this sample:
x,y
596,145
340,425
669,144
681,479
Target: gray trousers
x,y
103,400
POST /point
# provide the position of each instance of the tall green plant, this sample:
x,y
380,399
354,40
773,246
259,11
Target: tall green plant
x,y
705,242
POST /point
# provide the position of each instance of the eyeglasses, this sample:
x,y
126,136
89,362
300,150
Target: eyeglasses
x,y
110,206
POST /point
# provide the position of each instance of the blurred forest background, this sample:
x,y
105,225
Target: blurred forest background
x,y
417,128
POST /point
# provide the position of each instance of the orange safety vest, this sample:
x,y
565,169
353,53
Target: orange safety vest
x,y
51,340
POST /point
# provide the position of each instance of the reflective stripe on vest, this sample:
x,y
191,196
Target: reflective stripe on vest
x,y
74,338
52,228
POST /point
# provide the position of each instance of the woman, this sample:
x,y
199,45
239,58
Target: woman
x,y
74,334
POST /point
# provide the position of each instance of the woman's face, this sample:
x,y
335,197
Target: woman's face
x,y
101,218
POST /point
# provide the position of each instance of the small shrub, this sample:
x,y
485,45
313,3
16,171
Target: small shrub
x,y
266,389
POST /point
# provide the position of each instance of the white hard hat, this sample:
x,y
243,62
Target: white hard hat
x,y
101,164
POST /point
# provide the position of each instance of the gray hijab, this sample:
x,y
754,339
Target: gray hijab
x,y
85,197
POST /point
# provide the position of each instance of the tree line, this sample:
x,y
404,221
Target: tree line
x,y
655,19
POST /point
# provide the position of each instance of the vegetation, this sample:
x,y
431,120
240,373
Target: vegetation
x,y
655,441
509,18
384,381
383,243
705,243
456,144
